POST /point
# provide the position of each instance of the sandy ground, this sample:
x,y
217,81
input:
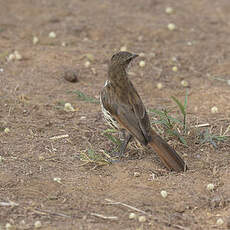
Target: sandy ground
x,y
33,92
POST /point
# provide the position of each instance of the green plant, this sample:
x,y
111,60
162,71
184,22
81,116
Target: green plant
x,y
174,126
83,97
92,157
208,137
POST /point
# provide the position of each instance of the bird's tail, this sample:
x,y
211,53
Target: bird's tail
x,y
167,154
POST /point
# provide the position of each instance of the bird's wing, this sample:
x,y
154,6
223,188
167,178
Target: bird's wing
x,y
140,111
122,112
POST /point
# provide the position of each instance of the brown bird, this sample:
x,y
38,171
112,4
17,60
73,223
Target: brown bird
x,y
123,109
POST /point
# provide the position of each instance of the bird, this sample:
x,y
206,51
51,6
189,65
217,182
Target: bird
x,y
124,110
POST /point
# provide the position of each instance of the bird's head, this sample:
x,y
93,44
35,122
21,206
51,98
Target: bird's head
x,y
122,58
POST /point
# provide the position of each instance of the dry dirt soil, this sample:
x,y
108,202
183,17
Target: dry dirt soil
x,y
33,92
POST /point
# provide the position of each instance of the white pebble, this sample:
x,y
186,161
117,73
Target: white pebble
x,y
136,174
123,48
68,107
171,26
35,40
159,85
1,70
6,130
210,187
37,224
1,159
141,55
17,55
141,219
63,44
164,194
168,10
219,221
142,63
214,109
52,35
184,83
8,226
174,69
228,82
189,43
11,57
132,216
57,179
87,64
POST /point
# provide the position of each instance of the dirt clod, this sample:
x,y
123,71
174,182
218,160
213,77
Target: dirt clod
x,y
71,75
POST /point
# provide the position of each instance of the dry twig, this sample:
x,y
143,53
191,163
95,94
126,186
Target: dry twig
x,y
127,206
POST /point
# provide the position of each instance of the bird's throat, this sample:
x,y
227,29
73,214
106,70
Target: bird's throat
x,y
117,75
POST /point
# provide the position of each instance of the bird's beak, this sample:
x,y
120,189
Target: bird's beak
x,y
134,56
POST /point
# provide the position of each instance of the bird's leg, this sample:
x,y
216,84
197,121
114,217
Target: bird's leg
x,y
125,140
124,144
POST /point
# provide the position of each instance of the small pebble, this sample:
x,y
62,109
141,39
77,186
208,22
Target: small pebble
x,y
184,83
68,107
210,187
171,26
41,158
141,55
168,10
174,69
136,174
6,130
37,224
1,159
11,57
219,221
35,40
141,219
52,35
164,194
87,64
189,43
63,44
1,70
17,55
8,226
142,63
70,76
123,48
228,82
159,85
214,109
57,179
132,216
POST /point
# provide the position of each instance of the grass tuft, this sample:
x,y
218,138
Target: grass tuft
x,y
180,128
91,157
83,97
